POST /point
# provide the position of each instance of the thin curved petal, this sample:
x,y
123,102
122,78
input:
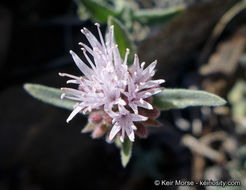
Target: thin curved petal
x,y
116,128
74,112
81,65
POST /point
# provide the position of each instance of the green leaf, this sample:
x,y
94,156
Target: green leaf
x,y
238,92
126,151
99,10
182,98
49,95
122,38
242,60
119,5
157,16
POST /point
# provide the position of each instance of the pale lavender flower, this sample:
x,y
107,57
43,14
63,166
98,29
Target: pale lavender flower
x,y
123,121
109,85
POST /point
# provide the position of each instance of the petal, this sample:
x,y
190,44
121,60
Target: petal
x,y
126,56
131,87
116,128
134,107
72,91
149,92
135,117
74,112
92,39
122,137
87,48
130,134
144,104
88,59
73,81
142,65
136,63
100,36
81,65
151,83
110,38
120,101
123,110
134,127
150,68
117,58
68,75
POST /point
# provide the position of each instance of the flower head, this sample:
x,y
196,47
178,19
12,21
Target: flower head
x,y
110,88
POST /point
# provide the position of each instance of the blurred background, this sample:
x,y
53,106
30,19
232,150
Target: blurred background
x,y
199,44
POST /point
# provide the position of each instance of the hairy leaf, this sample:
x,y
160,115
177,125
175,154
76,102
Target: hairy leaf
x,y
157,16
99,10
49,95
182,98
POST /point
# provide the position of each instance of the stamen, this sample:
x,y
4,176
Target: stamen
x,y
100,35
88,59
87,48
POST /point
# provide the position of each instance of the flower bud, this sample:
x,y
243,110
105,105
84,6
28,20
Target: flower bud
x,y
153,114
98,131
96,117
141,130
88,128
